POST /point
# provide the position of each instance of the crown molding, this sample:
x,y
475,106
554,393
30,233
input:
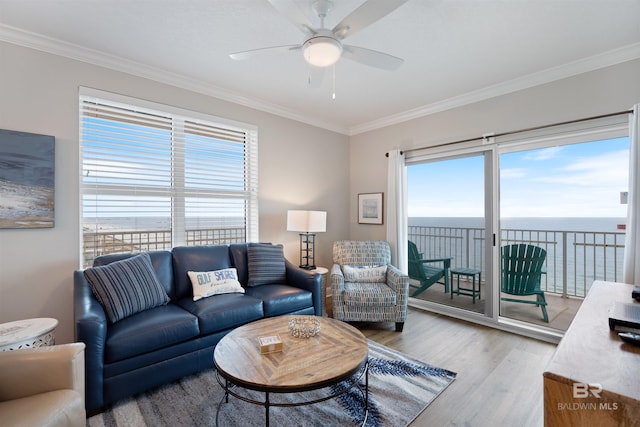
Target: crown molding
x,y
57,47
42,43
584,65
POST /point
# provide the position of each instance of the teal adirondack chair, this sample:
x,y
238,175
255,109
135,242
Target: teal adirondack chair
x,y
521,269
427,271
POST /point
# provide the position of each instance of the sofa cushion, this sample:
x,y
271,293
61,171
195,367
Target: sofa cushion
x,y
208,283
150,330
374,294
281,299
158,361
196,258
225,311
126,287
266,264
238,253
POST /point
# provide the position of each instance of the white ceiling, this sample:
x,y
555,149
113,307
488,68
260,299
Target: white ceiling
x,y
455,51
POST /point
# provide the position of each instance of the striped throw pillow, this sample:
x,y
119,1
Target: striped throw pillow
x,y
266,264
126,287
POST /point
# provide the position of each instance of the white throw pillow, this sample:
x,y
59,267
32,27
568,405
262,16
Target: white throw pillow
x,y
365,274
207,283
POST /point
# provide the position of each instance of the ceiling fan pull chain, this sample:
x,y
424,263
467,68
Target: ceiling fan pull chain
x,y
333,96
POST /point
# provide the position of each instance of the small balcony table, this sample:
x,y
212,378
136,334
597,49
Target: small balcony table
x,y
469,272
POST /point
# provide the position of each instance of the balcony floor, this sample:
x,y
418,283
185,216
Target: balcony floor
x,y
561,311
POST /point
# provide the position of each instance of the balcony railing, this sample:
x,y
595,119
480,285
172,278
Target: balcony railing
x,y
574,258
108,242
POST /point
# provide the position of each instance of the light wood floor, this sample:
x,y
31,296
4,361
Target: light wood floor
x,y
499,381
561,310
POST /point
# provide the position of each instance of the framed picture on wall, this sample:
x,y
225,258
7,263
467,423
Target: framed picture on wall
x,y
26,180
370,208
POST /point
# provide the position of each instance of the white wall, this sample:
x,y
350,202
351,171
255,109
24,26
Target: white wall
x,y
604,91
300,166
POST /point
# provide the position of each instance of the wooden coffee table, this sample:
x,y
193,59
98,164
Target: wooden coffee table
x,y
338,353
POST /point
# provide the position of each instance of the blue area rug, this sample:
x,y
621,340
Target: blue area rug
x,y
400,388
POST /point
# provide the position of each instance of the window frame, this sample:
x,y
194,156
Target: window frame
x,y
185,129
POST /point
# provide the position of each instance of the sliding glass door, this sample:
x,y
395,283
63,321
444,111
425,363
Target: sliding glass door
x,y
565,204
446,226
550,204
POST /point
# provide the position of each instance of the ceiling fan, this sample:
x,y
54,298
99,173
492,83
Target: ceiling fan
x,y
323,47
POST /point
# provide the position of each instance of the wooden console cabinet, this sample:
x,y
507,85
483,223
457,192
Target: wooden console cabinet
x,y
593,379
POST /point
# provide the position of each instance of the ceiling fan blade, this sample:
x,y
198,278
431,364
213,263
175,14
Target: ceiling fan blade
x,y
373,58
293,13
247,54
365,15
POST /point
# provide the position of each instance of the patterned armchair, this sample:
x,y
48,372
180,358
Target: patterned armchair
x,y
365,286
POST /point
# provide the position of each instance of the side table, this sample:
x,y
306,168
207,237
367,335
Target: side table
x,y
468,272
323,272
28,333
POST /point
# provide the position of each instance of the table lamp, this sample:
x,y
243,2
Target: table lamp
x,y
307,223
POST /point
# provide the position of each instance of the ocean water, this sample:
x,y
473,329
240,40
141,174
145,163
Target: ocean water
x,y
556,224
142,223
559,224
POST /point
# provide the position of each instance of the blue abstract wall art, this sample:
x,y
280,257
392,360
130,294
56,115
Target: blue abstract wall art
x,y
26,180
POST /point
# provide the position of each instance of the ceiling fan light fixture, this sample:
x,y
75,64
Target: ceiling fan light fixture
x,y
322,51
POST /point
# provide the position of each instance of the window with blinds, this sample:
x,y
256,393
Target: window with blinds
x,y
154,177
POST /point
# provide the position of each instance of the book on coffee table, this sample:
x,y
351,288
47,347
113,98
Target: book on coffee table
x,y
270,344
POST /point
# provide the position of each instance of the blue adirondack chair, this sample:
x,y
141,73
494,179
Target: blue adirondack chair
x,y
521,270
427,271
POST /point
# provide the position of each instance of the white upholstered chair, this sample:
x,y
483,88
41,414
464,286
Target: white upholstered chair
x,y
43,386
358,298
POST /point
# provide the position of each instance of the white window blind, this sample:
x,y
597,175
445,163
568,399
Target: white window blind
x,y
154,177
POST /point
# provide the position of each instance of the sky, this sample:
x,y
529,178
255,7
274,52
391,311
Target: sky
x,y
577,180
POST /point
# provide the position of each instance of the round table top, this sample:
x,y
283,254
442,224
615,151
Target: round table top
x,y
21,330
336,353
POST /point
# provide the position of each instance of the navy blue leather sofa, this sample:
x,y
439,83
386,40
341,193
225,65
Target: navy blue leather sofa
x,y
165,343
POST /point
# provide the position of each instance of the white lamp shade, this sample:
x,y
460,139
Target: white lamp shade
x,y
307,221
